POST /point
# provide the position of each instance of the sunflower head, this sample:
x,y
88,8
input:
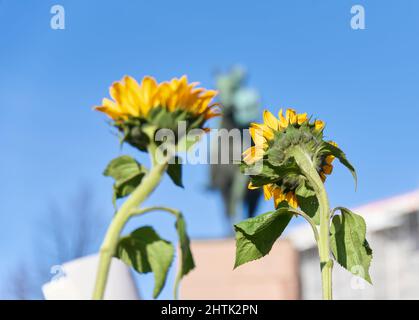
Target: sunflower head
x,y
274,141
138,109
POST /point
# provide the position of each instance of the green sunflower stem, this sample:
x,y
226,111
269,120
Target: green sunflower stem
x,y
326,263
311,222
107,250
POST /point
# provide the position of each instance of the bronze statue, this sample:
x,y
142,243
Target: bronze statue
x,y
240,106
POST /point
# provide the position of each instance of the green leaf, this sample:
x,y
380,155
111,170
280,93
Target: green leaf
x,y
307,201
127,173
145,251
174,170
349,245
187,261
328,149
256,236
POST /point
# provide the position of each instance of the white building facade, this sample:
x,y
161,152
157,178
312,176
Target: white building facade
x,y
393,234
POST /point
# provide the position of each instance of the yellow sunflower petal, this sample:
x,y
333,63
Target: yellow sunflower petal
x,y
278,196
291,116
294,201
318,125
110,104
267,191
333,143
203,101
133,99
267,132
291,199
133,91
252,154
301,118
163,94
148,90
111,113
329,159
118,93
257,136
211,113
111,109
270,120
251,186
327,169
283,123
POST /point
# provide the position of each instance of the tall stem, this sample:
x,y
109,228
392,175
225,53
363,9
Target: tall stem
x,y
107,250
326,264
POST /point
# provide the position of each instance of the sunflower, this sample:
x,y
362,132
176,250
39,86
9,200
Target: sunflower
x,y
272,139
131,99
163,105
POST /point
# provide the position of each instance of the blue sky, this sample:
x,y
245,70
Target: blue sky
x,y
300,54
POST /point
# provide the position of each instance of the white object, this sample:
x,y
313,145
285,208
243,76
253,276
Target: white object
x,y
78,280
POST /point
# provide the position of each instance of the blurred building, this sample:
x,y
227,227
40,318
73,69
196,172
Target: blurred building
x,y
291,270
275,277
393,234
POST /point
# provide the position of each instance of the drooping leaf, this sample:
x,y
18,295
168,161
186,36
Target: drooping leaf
x,y
127,173
328,149
145,251
174,170
349,245
307,201
187,261
256,236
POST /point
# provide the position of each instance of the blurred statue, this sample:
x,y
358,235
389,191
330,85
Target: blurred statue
x,y
240,106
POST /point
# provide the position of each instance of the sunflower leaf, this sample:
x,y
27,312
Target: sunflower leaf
x,y
307,200
174,170
256,236
349,245
145,251
127,173
327,148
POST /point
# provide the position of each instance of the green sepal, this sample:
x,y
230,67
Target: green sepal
x,y
139,131
174,170
145,251
163,118
302,135
348,243
256,236
270,173
127,173
132,132
327,149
